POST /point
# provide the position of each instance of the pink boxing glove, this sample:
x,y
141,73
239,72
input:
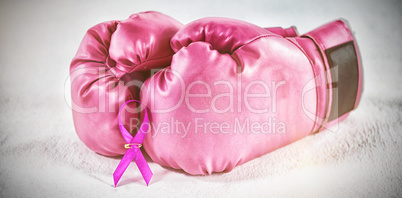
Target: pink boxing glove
x,y
236,91
113,60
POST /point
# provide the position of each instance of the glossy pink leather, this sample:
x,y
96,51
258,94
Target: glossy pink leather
x,y
285,32
236,91
112,60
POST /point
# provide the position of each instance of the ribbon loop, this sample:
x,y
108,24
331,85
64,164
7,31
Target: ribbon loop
x,y
133,149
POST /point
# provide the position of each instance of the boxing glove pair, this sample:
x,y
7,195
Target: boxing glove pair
x,y
218,92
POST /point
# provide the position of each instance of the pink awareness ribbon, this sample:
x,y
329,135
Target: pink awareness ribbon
x,y
133,149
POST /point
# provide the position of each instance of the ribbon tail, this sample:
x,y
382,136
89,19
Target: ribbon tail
x,y
125,161
143,167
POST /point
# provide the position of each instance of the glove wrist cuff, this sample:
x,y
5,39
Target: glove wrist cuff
x,y
343,71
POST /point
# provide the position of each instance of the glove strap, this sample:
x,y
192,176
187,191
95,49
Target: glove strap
x,y
343,69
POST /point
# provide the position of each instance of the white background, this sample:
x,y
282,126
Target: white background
x,y
41,156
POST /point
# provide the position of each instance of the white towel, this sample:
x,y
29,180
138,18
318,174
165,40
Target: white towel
x,y
41,156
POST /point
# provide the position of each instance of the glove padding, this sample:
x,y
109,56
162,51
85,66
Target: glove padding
x,y
113,60
233,92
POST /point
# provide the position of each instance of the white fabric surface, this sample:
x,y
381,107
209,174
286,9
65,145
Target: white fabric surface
x,y
41,156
